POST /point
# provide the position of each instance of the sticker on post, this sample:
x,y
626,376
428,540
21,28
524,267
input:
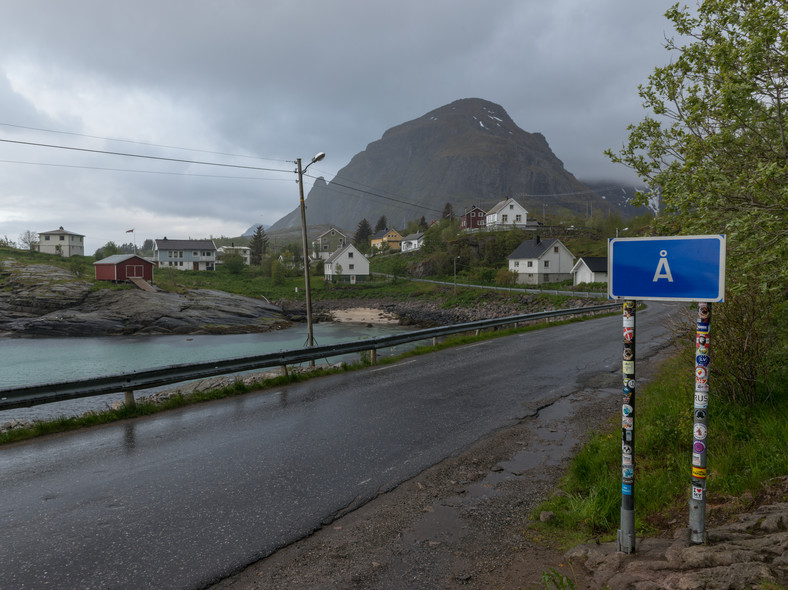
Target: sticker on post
x,y
627,410
699,472
628,367
697,459
628,423
699,446
697,493
700,431
626,489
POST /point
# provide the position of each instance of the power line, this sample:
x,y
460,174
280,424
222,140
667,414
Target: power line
x,y
144,156
162,172
171,147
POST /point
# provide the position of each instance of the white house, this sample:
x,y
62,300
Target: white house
x,y
346,265
541,261
185,254
61,242
412,241
506,215
590,269
244,252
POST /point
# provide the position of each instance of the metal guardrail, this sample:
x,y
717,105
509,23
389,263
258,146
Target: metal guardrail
x,y
586,294
32,395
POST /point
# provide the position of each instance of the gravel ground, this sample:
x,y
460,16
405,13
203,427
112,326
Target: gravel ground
x,y
463,523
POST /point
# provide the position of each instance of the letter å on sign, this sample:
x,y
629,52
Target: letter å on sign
x,y
673,268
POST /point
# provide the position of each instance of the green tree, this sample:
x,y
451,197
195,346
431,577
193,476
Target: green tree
x,y
448,211
258,245
381,224
715,151
363,233
234,263
28,239
108,249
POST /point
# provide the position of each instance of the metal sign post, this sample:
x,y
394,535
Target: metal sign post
x,y
674,268
700,426
626,534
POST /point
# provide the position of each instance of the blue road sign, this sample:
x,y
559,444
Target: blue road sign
x,y
675,268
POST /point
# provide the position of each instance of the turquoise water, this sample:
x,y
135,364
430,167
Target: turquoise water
x,y
27,361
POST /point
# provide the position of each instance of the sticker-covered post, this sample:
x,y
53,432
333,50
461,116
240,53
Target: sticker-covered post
x,y
626,534
700,425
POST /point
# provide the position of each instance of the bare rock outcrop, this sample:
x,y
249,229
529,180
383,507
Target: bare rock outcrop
x,y
41,300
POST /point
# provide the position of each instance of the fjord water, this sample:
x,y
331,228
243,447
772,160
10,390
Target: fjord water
x,y
32,361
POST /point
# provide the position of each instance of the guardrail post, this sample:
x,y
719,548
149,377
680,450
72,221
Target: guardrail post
x,y
373,356
435,341
128,399
284,370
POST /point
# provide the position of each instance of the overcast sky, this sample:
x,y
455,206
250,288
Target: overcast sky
x,y
259,83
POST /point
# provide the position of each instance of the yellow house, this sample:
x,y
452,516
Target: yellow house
x,y
387,236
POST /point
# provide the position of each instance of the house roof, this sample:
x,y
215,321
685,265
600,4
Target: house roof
x,y
118,258
595,263
531,249
382,233
499,206
61,231
166,244
341,233
417,236
339,253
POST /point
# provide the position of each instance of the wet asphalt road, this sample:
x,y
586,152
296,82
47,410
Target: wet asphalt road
x,y
185,498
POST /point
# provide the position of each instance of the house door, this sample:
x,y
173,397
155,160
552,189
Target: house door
x,y
196,266
352,279
134,271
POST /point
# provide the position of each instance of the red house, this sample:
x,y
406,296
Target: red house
x,y
123,267
473,219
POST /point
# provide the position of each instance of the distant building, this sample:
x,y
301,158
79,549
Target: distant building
x,y
346,265
243,251
507,214
387,236
324,245
474,219
590,269
123,267
61,242
412,242
185,254
541,261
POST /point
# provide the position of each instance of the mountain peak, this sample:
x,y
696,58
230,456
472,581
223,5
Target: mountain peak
x,y
464,153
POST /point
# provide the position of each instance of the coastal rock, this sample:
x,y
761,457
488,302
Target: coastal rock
x,y
41,300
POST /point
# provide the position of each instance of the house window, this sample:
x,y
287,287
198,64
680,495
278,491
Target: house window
x,y
518,217
530,263
511,207
62,238
325,246
516,263
555,249
351,266
504,218
350,254
195,254
46,238
547,264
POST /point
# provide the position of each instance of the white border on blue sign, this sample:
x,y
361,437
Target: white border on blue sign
x,y
720,287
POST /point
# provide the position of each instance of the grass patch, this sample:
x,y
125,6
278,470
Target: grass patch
x,y
747,445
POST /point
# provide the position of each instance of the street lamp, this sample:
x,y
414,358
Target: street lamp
x,y
310,333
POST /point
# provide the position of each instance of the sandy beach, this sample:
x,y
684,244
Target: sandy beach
x,y
363,315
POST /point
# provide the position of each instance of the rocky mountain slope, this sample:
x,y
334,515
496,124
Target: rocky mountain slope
x,y
469,152
42,300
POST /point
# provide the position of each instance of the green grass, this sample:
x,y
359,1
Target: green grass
x,y
746,447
